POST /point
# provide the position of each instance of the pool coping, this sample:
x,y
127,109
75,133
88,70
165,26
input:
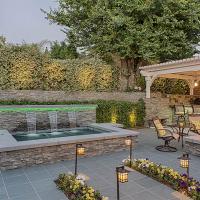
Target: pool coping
x,y
9,143
42,108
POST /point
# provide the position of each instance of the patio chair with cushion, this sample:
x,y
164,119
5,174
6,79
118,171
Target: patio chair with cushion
x,y
194,123
165,133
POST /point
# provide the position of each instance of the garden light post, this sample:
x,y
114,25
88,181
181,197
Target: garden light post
x,y
129,142
185,163
80,150
122,177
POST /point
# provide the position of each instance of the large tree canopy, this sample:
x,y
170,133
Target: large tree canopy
x,y
63,51
134,30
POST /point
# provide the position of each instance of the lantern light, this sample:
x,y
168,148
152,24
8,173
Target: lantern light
x,y
184,161
196,83
80,150
128,141
122,174
181,124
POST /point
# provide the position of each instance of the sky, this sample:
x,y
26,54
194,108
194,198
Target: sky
x,y
23,21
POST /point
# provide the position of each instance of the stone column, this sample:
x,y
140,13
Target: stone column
x,y
191,85
149,81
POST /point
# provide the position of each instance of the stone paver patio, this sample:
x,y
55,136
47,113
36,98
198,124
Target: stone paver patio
x,y
36,183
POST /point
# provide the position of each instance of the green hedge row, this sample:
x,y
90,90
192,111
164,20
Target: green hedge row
x,y
127,113
26,67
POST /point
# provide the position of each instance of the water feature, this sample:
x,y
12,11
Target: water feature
x,y
31,122
72,119
53,118
23,136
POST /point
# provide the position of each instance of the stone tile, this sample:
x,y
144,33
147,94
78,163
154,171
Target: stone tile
x,y
38,175
163,191
3,194
13,180
145,195
43,185
147,182
26,197
11,173
131,188
1,181
51,195
24,190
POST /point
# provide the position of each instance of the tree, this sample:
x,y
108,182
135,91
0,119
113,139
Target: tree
x,y
2,41
135,31
63,51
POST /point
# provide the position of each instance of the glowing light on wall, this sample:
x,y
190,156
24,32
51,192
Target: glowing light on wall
x,y
114,116
196,83
132,119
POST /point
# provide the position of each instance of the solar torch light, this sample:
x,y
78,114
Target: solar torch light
x,y
185,163
129,143
80,151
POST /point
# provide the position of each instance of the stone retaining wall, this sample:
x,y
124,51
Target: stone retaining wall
x,y
16,121
50,154
48,96
158,105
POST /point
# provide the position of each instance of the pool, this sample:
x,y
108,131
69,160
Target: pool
x,y
28,149
24,136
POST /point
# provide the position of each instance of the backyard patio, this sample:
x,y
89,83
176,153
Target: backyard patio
x,y
37,183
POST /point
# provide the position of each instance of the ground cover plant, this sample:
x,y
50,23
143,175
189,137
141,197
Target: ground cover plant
x,y
167,176
76,189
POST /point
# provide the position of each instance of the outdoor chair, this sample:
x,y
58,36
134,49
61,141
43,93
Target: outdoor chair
x,y
194,121
188,110
167,134
179,112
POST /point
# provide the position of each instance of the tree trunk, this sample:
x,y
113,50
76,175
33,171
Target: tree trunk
x,y
129,69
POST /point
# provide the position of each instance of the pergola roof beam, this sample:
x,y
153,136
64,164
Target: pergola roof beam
x,y
186,69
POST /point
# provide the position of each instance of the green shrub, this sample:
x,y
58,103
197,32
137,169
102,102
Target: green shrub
x,y
127,113
170,86
26,67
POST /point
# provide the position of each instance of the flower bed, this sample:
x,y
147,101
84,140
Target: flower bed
x,y
167,176
76,189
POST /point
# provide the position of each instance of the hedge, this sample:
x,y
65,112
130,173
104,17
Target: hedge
x,y
127,113
26,67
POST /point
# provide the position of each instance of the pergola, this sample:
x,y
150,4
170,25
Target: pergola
x,y
186,69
